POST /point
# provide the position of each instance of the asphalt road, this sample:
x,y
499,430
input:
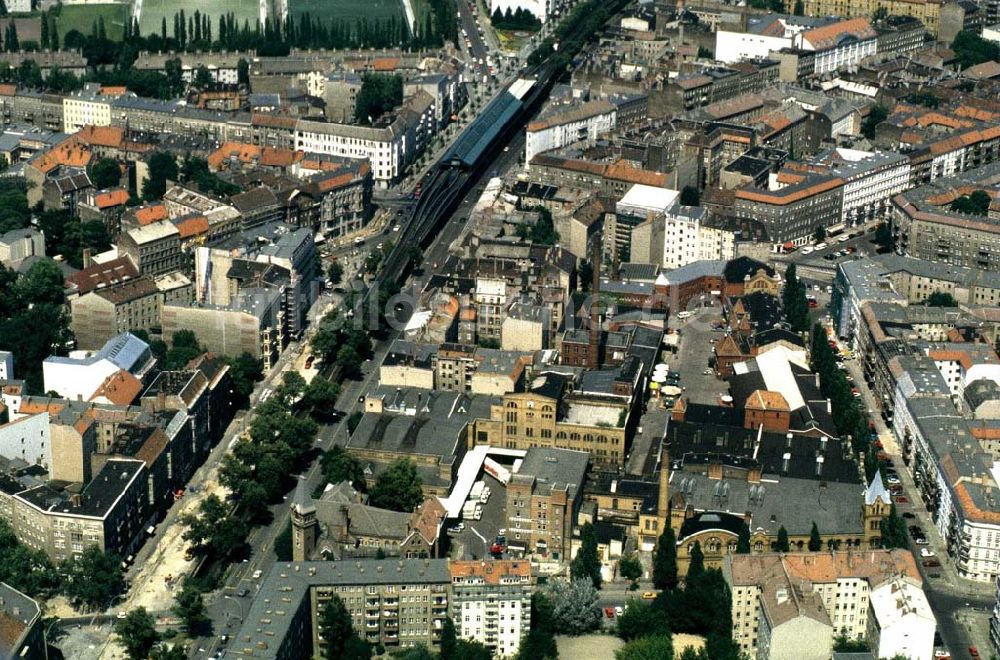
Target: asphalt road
x,y
948,595
225,608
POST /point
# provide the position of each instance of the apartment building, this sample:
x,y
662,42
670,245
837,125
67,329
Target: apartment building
x,y
924,226
490,300
389,148
125,307
543,500
155,248
793,213
681,235
89,106
491,603
19,244
394,603
929,13
77,378
871,180
900,621
840,45
111,512
836,43
252,322
561,125
552,414
21,622
792,605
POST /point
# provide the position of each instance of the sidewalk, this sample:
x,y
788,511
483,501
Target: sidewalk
x,y
949,580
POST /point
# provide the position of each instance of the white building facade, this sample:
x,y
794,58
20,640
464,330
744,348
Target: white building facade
x,y
900,622
491,603
27,438
583,122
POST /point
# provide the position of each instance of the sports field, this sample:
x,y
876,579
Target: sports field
x,y
347,10
83,17
154,11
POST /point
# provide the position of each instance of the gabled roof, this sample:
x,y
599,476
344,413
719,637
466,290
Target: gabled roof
x,y
109,198
876,490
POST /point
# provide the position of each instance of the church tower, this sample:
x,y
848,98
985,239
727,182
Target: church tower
x,y
878,504
305,527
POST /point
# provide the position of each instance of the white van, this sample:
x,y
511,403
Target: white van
x,y
684,315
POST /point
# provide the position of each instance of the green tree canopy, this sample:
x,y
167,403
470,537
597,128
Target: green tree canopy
x,y
630,567
654,647
162,166
893,529
574,606
781,545
337,466
941,299
137,633
815,543
336,628
665,561
743,542
398,488
379,93
190,609
93,578
641,618
793,298
975,203
106,173
696,563
587,563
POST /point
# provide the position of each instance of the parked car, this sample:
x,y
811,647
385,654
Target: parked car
x,y
931,563
921,540
609,612
619,611
926,553
257,574
909,516
648,595
902,499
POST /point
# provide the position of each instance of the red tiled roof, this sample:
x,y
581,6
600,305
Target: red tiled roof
x,y
116,270
147,215
192,226
109,198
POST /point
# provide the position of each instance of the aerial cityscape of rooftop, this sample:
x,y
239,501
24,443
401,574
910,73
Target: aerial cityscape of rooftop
x,y
500,329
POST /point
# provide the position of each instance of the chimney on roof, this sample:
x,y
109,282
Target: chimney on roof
x,y
595,312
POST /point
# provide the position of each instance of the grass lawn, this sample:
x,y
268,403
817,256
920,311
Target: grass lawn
x,y
82,18
349,10
154,11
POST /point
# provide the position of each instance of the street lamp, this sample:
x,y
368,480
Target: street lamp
x,y
238,603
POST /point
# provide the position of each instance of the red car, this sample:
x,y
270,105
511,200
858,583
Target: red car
x,y
973,651
609,612
902,499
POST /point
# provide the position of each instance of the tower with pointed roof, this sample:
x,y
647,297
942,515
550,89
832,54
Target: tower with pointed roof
x,y
305,527
878,504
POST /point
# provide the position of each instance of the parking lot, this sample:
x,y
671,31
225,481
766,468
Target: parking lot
x,y
691,360
474,541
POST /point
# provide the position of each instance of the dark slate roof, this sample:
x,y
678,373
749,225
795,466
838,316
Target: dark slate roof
x,y
701,522
738,269
697,444
772,335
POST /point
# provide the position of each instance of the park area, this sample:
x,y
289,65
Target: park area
x,y
347,10
155,11
82,18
